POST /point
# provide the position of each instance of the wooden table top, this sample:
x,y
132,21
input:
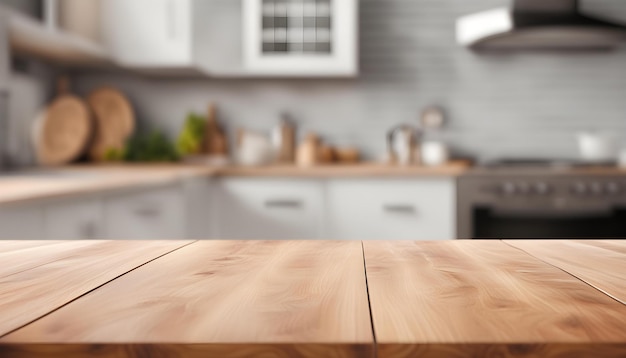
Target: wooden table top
x,y
389,299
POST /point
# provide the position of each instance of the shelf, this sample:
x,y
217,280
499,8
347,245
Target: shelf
x,y
29,37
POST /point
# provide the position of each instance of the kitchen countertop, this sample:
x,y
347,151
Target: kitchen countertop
x,y
58,182
390,299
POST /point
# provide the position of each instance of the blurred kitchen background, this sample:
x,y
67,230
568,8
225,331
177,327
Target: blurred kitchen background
x,y
314,118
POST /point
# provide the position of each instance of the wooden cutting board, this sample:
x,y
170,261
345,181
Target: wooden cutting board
x,y
114,118
63,130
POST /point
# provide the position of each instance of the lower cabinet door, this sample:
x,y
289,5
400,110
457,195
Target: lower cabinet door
x,y
21,222
74,219
149,214
415,209
269,209
198,201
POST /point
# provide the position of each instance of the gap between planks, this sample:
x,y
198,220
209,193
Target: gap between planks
x,y
95,288
586,282
369,301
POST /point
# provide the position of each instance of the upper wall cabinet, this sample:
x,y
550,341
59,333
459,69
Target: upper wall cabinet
x,y
301,37
41,34
171,37
220,38
151,34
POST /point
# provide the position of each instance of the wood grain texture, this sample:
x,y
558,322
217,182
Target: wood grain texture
x,y
263,298
16,260
600,264
175,350
53,275
15,245
614,245
435,298
555,350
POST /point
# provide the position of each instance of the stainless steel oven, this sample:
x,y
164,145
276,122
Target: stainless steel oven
x,y
549,201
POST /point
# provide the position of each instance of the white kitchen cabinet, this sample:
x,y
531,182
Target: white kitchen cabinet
x,y
74,219
198,205
271,209
149,214
163,35
413,209
21,222
46,40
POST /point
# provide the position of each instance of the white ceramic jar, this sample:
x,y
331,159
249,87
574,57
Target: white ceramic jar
x,y
434,153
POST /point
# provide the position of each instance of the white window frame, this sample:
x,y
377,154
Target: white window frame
x,y
342,61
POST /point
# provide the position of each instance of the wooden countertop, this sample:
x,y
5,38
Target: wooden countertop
x,y
517,299
77,180
452,169
45,184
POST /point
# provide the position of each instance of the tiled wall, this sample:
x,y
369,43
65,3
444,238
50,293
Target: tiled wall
x,y
520,104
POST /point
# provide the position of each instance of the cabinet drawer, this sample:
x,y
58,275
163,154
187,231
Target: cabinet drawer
x,y
392,209
148,215
269,209
74,220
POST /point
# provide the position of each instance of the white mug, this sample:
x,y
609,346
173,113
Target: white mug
x,y
434,153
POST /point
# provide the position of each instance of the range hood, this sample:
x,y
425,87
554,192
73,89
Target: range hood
x,y
541,25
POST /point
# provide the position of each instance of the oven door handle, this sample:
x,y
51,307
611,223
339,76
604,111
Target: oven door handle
x,y
580,212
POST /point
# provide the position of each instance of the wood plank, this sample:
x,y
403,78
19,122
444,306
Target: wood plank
x,y
219,298
47,282
18,258
615,245
177,350
484,299
600,265
13,245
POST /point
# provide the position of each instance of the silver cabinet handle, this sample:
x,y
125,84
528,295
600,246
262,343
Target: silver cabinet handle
x,y
148,211
88,230
400,208
283,204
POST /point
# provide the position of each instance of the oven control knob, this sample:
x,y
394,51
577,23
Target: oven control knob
x,y
580,188
509,188
612,188
542,188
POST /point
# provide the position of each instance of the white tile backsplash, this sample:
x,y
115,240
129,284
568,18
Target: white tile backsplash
x,y
520,104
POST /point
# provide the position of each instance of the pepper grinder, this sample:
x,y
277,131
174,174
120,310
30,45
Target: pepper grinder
x,y
284,140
